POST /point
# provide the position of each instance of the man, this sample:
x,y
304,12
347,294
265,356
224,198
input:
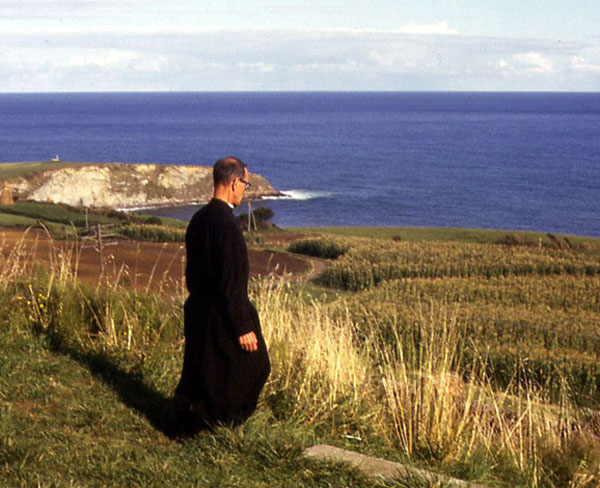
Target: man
x,y
225,361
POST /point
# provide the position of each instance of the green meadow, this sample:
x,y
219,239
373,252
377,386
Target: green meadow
x,y
28,169
469,353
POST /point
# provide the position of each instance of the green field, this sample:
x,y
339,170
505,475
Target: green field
x,y
441,234
471,355
27,169
64,221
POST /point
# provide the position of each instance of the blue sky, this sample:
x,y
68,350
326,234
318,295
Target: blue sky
x,y
134,45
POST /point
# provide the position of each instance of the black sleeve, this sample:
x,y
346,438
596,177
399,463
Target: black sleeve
x,y
233,280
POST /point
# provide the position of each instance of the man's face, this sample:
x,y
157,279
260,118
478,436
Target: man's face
x,y
239,188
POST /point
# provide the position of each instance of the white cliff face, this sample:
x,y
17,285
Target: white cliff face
x,y
118,185
175,177
86,186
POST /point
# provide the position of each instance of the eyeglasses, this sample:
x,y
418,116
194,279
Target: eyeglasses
x,y
247,183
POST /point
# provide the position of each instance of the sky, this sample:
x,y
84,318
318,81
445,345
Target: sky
x,y
283,45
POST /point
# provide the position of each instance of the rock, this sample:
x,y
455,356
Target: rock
x,y
6,195
376,467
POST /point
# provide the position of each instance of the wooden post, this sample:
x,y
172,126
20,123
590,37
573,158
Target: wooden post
x,y
249,213
99,230
98,240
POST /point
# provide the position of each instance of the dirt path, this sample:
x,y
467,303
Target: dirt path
x,y
142,265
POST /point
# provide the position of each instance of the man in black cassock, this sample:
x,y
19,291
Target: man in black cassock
x,y
226,363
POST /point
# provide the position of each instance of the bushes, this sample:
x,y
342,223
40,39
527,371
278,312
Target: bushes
x,y
152,220
153,233
320,248
260,218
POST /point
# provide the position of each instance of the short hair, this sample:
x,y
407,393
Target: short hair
x,y
227,169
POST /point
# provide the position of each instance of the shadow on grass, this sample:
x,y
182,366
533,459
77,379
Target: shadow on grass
x,y
131,388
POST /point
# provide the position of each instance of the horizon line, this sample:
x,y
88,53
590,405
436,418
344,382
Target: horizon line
x,y
93,92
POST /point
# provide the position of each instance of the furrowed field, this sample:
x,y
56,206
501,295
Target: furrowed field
x,y
478,360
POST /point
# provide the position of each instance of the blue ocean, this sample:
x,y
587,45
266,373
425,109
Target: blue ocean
x,y
528,161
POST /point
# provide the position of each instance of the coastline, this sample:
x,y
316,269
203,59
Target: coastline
x,y
121,186
195,203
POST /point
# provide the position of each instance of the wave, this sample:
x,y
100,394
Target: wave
x,y
300,195
159,206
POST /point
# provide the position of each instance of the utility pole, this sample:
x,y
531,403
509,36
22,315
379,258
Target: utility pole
x,y
251,217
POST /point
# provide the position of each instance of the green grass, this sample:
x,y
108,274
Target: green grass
x,y
63,220
81,419
77,411
27,169
11,220
422,234
57,213
170,222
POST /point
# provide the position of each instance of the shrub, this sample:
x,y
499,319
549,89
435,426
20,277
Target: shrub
x,y
153,220
320,248
261,217
117,214
153,233
263,214
516,239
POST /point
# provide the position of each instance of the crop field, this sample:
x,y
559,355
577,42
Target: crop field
x,y
533,309
477,360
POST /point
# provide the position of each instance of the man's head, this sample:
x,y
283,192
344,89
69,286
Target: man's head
x,y
230,177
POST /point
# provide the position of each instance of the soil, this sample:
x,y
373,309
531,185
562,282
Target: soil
x,y
142,265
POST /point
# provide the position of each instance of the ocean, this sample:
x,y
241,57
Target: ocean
x,y
522,161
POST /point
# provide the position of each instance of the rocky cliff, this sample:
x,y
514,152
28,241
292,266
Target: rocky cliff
x,y
118,185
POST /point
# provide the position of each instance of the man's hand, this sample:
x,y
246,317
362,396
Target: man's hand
x,y
249,342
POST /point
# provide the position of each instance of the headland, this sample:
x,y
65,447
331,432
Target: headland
x,y
115,185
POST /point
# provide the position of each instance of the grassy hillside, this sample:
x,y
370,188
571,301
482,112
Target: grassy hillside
x,y
80,418
475,360
15,170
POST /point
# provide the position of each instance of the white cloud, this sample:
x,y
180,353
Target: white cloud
x,y
260,67
579,64
292,60
115,59
534,62
439,28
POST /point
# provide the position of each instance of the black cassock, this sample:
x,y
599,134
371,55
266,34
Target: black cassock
x,y
219,379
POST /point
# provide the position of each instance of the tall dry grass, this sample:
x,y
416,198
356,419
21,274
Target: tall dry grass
x,y
317,366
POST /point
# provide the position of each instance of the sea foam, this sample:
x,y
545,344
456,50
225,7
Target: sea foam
x,y
300,195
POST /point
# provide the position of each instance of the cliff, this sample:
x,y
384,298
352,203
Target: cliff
x,y
117,185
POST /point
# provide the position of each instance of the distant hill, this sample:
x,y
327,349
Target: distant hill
x,y
115,185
